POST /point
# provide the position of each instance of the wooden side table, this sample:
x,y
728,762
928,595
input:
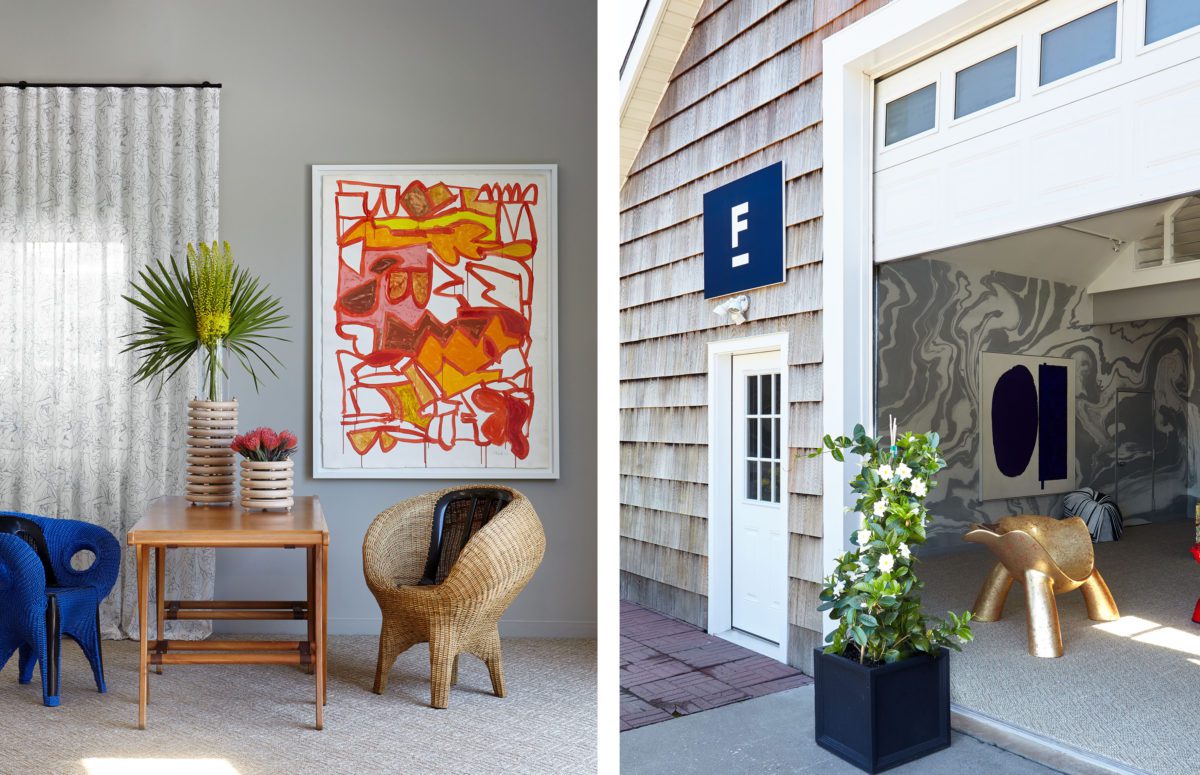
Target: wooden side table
x,y
171,523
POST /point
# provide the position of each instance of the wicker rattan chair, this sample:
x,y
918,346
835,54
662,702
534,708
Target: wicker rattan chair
x,y
457,613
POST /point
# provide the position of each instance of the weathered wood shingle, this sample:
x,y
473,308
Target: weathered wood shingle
x,y
674,462
796,143
691,390
665,528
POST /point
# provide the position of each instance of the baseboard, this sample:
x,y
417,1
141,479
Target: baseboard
x,y
509,628
519,628
1036,747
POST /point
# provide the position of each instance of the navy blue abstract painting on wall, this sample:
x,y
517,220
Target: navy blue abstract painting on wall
x,y
1052,422
1014,420
1027,415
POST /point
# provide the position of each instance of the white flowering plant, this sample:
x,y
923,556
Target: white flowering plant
x,y
874,594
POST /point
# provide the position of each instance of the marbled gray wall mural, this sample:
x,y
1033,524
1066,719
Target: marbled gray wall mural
x,y
1134,387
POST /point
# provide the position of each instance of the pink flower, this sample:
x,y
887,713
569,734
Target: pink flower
x,y
253,440
264,443
288,439
270,439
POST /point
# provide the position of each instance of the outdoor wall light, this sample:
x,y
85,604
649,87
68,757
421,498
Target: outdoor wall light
x,y
735,307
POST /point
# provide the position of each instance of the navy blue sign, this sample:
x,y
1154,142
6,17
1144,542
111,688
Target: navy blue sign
x,y
743,233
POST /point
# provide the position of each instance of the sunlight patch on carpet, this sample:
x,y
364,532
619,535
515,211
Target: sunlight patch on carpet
x,y
122,766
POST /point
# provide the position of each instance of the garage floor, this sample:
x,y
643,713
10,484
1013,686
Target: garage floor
x,y
1127,690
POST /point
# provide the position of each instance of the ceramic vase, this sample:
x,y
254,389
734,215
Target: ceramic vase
x,y
210,462
266,484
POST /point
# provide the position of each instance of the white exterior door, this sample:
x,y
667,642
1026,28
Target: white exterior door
x,y
759,529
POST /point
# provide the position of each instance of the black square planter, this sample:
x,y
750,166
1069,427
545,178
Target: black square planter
x,y
880,717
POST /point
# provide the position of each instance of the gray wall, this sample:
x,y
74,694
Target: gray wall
x,y
934,320
361,82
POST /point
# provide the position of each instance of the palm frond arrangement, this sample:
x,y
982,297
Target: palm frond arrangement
x,y
211,305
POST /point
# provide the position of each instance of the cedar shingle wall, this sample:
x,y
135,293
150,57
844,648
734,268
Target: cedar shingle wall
x,y
745,93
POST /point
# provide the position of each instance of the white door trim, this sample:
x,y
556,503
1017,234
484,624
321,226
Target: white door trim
x,y
720,517
901,32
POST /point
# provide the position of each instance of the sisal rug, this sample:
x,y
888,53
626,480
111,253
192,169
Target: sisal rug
x,y
242,720
1129,690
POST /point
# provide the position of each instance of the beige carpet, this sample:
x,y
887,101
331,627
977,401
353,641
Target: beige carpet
x,y
1128,690
258,719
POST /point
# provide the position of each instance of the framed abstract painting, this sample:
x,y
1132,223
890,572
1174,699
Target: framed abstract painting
x,y
1027,419
435,321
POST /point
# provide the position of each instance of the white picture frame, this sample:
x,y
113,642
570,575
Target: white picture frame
x,y
336,452
994,483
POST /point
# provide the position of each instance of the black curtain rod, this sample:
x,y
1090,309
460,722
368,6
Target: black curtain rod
x,y
25,84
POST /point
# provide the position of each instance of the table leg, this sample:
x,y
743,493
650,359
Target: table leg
x,y
143,589
318,603
160,588
310,571
325,625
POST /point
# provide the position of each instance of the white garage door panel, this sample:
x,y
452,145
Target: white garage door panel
x,y
1134,143
1084,151
1123,132
905,212
1168,128
970,199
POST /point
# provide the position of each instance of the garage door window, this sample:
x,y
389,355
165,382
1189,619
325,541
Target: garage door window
x,y
1080,44
910,115
986,83
1165,18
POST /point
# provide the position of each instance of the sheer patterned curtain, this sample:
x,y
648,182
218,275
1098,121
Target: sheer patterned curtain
x,y
95,183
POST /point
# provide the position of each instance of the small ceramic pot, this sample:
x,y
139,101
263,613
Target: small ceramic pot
x,y
267,485
210,470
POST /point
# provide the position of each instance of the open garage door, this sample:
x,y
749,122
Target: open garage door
x,y
1066,110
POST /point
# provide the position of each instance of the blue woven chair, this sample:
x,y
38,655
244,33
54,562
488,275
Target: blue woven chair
x,y
43,598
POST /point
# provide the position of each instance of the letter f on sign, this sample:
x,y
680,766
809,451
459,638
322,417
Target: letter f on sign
x,y
738,224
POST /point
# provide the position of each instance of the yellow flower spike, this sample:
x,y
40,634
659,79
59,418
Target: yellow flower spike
x,y
210,270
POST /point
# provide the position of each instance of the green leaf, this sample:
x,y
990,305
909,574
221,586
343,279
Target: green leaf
x,y
168,338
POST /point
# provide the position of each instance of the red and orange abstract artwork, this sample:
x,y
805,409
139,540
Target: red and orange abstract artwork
x,y
434,340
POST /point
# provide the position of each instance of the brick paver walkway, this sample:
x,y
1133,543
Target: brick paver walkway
x,y
670,668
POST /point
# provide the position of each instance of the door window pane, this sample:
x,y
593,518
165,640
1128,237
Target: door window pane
x,y
910,115
1079,44
763,418
986,83
1164,18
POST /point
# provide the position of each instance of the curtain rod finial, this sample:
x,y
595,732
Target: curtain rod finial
x,y
22,84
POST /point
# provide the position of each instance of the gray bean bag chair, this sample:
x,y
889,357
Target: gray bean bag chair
x,y
1097,510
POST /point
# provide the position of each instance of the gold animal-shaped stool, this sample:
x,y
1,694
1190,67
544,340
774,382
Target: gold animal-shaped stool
x,y
1051,557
